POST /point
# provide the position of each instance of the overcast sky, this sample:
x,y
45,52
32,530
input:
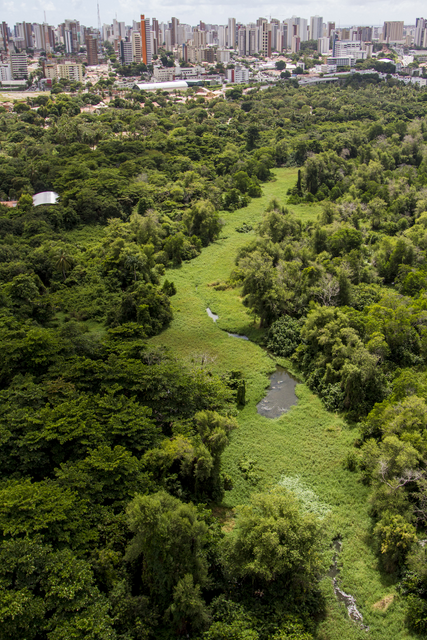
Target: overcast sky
x,y
344,12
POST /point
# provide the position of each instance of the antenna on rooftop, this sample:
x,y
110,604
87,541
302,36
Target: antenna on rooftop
x,y
45,16
99,30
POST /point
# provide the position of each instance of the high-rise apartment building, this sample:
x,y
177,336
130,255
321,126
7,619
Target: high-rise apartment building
x,y
28,35
296,44
126,55
19,66
275,35
393,31
155,27
69,31
364,34
241,41
284,36
316,27
71,71
297,27
136,46
24,35
222,42
420,32
39,36
302,29
323,45
146,51
4,36
266,38
116,31
232,32
107,32
68,41
174,31
247,41
91,42
252,42
157,40
199,38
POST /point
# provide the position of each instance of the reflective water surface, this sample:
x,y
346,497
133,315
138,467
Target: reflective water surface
x,y
280,395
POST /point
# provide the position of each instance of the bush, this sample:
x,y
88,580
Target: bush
x,y
284,336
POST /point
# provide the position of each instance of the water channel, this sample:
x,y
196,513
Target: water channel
x,y
349,601
212,315
281,393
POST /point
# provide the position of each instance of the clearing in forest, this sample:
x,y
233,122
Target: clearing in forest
x,y
306,446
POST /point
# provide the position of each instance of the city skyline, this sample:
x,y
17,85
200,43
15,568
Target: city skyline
x,y
343,14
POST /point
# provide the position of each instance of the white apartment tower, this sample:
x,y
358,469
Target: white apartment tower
x,y
136,46
297,27
222,33
316,27
231,32
323,45
420,32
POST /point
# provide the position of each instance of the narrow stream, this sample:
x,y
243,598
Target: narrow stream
x,y
212,315
280,395
349,601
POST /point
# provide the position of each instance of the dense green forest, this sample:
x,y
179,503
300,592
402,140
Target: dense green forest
x,y
112,444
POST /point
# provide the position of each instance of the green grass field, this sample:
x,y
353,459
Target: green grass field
x,y
308,442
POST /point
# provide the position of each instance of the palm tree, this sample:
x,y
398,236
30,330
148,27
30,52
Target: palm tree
x,y
63,262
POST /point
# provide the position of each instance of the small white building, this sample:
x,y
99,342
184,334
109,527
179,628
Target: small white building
x,y
164,74
421,82
344,61
328,68
189,72
45,197
14,84
179,85
238,75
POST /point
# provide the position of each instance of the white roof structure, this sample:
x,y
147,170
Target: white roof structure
x,y
45,197
164,86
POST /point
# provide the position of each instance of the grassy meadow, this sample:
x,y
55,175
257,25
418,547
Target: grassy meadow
x,y
307,445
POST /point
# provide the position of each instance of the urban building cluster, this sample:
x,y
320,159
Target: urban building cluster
x,y
66,50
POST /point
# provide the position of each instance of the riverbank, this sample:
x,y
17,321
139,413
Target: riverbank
x,y
307,445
